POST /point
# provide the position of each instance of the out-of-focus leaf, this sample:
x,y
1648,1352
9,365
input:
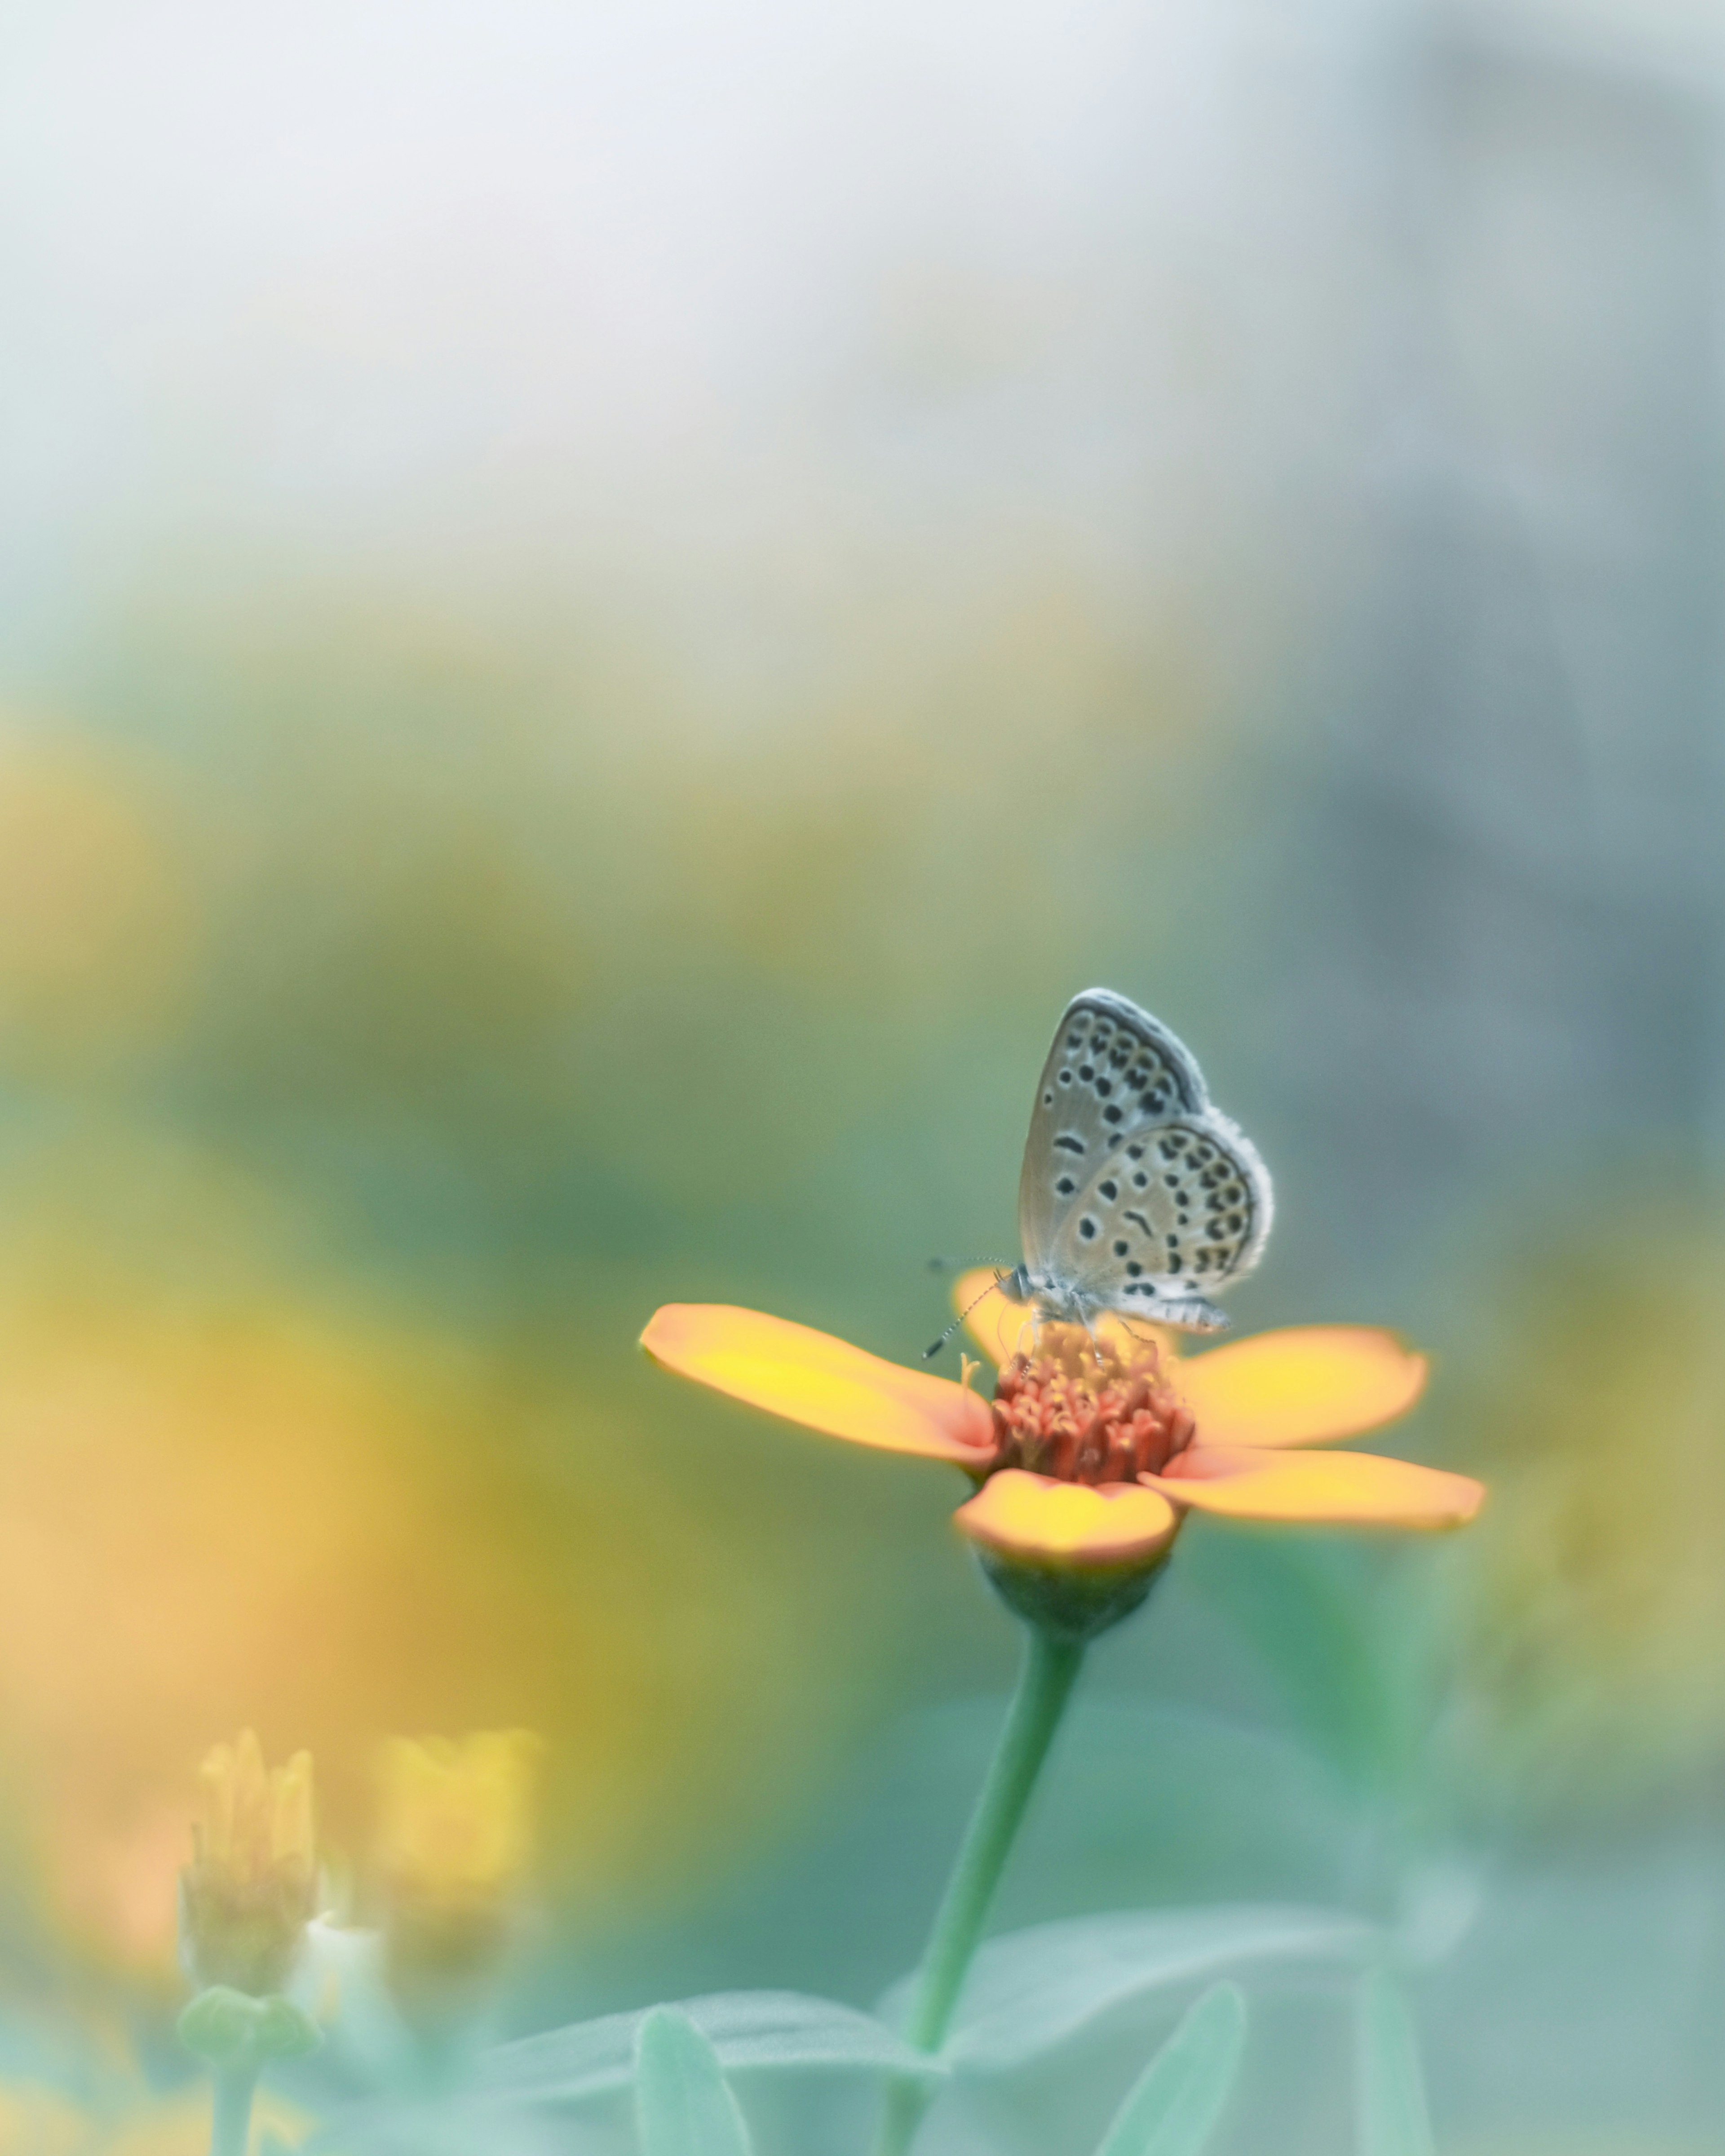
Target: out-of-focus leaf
x,y
453,2127
1032,1989
1303,1607
749,2030
683,2107
1174,2106
1441,1904
1393,2120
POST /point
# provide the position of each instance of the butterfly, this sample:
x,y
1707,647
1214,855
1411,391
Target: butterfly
x,y
1137,1196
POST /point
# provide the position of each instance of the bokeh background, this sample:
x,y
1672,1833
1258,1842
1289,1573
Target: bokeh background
x,y
602,611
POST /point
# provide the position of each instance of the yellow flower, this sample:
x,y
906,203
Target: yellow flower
x,y
1091,1453
250,1889
455,1839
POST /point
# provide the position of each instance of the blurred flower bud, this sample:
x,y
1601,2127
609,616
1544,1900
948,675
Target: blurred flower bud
x,y
455,1837
250,1889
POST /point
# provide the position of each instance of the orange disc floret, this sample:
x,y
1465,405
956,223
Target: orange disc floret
x,y
1079,1412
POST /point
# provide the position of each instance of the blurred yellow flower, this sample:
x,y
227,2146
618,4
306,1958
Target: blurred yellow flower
x,y
1593,1618
455,1821
250,1889
456,1835
211,1496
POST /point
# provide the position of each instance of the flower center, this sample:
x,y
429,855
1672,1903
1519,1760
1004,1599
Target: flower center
x,y
1062,1412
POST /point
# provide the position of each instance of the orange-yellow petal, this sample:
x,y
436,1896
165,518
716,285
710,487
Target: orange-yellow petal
x,y
1002,1328
1032,1516
1324,1489
1303,1385
811,1378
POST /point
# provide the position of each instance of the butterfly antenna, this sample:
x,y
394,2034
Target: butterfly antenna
x,y
935,1347
961,1264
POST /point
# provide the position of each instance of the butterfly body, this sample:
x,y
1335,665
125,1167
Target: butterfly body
x,y
1137,1196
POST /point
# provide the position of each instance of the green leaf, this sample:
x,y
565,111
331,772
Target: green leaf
x,y
1314,1614
453,2126
1173,2109
683,2107
1393,2120
1032,1989
750,2030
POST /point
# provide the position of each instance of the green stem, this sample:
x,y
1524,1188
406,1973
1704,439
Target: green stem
x,y
1051,1664
231,2112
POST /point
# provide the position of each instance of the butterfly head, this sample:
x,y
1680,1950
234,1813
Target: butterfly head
x,y
1054,1301
1017,1286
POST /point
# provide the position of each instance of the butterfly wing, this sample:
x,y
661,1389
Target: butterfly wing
x,y
1136,1193
1175,1212
1112,1069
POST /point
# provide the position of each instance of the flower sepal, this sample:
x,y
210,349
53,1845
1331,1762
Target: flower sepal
x,y
1070,1559
1069,1602
231,2030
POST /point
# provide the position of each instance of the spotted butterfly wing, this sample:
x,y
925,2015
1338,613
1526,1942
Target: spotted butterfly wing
x,y
1136,1196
